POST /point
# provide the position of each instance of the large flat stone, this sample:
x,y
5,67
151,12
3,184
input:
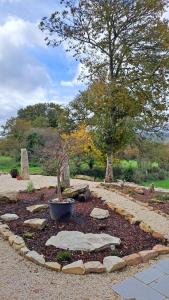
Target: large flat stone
x,y
75,190
36,208
9,196
9,217
78,241
99,213
38,224
149,275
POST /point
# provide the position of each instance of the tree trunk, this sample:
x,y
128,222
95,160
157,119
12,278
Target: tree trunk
x,y
109,169
66,173
59,193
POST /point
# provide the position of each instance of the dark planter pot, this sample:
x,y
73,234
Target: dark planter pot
x,y
61,210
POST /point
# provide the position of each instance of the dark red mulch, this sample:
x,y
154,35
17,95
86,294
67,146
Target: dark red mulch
x,y
132,237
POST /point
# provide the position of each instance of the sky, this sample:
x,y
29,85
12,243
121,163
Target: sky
x,y
31,72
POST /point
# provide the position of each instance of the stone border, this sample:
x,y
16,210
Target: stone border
x,y
110,263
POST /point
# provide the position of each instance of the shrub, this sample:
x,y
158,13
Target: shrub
x,y
63,256
163,197
49,167
14,173
30,187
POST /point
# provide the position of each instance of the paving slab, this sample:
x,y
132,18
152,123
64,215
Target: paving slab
x,y
149,275
131,288
161,285
163,266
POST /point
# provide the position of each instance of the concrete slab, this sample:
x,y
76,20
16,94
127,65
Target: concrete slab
x,y
149,275
135,289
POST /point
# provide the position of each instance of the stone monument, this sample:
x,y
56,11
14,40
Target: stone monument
x,y
24,165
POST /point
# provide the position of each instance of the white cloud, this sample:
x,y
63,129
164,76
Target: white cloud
x,y
76,81
23,79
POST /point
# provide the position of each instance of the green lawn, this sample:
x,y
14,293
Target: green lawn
x,y
159,183
7,163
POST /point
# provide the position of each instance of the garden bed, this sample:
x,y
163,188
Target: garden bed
x,y
132,237
157,200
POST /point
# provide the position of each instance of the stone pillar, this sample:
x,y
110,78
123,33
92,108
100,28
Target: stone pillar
x,y
66,173
24,165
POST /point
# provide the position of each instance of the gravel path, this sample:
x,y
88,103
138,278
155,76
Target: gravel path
x,y
22,280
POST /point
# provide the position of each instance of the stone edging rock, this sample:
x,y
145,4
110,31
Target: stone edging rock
x,y
110,263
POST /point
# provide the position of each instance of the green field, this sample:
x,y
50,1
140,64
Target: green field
x,y
7,163
159,183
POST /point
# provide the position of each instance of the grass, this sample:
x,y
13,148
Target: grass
x,y
158,183
7,163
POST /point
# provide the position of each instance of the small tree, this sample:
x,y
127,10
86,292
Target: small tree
x,y
56,151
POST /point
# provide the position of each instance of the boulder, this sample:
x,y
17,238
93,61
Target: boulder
x,y
94,267
113,263
98,213
24,165
76,267
37,208
75,191
8,196
78,241
146,255
132,259
35,257
9,217
38,224
161,249
53,266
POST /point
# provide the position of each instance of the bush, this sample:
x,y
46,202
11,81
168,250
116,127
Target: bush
x,y
14,173
49,167
30,187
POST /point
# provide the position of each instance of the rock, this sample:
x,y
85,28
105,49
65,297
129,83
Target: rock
x,y
35,257
3,226
37,208
158,235
84,197
6,233
139,191
113,263
24,165
76,267
23,251
75,191
9,197
16,239
38,224
78,241
147,255
98,213
94,267
161,249
145,227
84,177
132,259
9,217
53,266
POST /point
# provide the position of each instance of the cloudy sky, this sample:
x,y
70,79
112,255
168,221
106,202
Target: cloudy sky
x,y
30,72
